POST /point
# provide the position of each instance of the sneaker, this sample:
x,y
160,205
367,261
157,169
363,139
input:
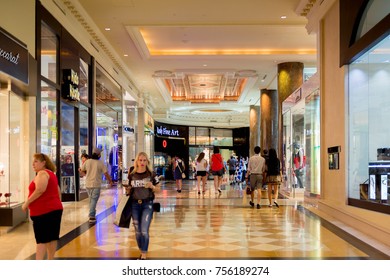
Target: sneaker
x,y
258,206
251,203
92,220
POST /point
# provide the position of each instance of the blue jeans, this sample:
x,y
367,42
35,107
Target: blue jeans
x,y
94,195
142,215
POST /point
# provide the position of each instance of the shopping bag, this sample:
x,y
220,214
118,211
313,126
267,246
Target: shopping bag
x,y
123,212
225,179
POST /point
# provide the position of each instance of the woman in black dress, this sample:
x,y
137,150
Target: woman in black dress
x,y
274,177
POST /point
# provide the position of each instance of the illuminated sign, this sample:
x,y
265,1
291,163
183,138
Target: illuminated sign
x,y
128,129
164,131
70,86
164,143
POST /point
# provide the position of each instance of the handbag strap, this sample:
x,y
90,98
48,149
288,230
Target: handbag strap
x,y
178,165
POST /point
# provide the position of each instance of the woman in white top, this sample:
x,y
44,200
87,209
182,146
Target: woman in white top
x,y
201,173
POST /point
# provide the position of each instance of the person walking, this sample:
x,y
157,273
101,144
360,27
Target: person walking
x,y
217,169
201,172
143,183
274,177
94,168
45,206
256,169
178,171
232,163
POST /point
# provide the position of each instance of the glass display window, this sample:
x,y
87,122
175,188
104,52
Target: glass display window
x,y
67,160
221,137
108,120
49,46
369,134
14,162
83,82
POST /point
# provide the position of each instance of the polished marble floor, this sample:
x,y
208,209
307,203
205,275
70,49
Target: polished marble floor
x,y
192,226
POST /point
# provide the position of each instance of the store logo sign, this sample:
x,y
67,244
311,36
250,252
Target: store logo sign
x,y
163,131
13,57
128,129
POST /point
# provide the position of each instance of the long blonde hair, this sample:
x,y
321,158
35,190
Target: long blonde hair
x,y
148,167
49,164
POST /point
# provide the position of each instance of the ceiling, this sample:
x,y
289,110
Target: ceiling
x,y
200,62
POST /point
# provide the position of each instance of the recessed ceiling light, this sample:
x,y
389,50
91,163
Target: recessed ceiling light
x,y
125,55
283,17
204,65
107,28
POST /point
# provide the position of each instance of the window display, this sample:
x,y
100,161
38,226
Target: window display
x,y
14,162
369,81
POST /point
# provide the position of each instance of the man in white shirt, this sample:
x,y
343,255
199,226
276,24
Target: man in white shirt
x,y
256,169
94,169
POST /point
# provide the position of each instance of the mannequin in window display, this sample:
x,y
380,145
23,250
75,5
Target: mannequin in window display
x,y
299,164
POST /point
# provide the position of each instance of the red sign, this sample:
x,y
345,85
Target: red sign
x,y
164,143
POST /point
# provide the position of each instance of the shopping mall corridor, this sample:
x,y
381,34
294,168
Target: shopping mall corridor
x,y
192,226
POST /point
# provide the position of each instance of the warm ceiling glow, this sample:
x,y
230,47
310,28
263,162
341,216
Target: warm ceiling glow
x,y
229,52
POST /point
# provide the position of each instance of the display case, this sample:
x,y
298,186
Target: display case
x,y
378,185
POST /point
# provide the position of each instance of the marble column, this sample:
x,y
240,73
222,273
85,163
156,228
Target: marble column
x,y
254,128
290,78
269,126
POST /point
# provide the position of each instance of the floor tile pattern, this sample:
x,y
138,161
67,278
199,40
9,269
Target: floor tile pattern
x,y
192,226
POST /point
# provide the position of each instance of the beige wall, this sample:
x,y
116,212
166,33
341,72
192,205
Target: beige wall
x,y
19,20
334,132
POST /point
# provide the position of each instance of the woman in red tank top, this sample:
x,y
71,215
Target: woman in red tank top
x,y
217,169
44,203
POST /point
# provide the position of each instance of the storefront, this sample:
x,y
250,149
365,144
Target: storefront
x,y
169,141
109,121
64,102
301,140
189,142
15,127
368,98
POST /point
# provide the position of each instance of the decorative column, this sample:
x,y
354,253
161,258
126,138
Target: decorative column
x,y
290,78
270,109
254,128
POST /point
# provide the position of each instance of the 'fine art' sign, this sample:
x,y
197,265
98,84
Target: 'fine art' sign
x,y
164,131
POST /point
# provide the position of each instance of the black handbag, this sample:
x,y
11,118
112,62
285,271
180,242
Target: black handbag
x,y
156,207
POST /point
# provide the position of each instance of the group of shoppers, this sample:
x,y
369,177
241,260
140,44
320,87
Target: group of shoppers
x,y
264,171
45,206
217,168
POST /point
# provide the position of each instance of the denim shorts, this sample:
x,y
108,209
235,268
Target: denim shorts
x,y
218,173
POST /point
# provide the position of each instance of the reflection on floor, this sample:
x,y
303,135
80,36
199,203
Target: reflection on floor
x,y
192,226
